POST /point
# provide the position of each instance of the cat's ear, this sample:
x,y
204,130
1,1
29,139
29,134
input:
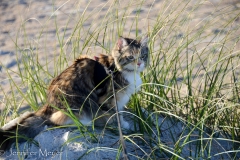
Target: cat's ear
x,y
144,41
96,58
121,43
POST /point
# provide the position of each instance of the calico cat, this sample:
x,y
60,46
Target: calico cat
x,y
84,89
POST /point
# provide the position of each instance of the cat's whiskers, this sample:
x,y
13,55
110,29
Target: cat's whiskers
x,y
128,70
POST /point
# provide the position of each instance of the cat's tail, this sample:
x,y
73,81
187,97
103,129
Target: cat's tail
x,y
20,129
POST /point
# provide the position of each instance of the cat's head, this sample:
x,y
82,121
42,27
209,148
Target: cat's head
x,y
131,55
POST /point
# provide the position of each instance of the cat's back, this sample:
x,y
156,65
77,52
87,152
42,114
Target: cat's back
x,y
85,73
81,70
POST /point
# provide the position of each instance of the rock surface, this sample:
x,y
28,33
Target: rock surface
x,y
103,143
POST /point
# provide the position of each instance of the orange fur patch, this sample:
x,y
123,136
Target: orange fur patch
x,y
59,118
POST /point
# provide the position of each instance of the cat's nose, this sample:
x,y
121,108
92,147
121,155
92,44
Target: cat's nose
x,y
138,63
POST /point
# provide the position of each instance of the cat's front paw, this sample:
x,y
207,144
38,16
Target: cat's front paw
x,y
125,125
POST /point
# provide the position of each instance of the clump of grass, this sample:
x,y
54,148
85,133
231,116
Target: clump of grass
x,y
192,76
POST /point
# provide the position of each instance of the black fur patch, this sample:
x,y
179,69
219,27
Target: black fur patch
x,y
99,75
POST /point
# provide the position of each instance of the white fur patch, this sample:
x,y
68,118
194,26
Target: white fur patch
x,y
69,121
134,85
141,67
124,124
86,121
135,82
124,95
16,121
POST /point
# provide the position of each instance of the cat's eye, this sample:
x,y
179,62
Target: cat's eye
x,y
130,58
143,56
